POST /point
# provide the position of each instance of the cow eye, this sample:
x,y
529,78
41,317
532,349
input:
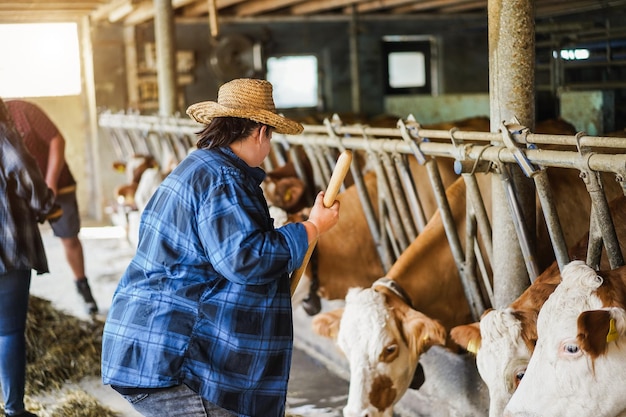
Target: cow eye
x,y
514,372
570,349
518,377
390,352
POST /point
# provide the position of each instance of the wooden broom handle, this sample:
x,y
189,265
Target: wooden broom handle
x,y
334,184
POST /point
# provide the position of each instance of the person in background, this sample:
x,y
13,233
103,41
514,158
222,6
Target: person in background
x,y
25,199
46,143
201,322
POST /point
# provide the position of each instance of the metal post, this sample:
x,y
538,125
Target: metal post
x,y
165,38
511,92
96,193
354,61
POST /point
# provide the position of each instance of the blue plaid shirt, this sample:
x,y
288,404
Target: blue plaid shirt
x,y
24,197
206,299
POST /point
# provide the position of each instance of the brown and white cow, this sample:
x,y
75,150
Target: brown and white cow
x,y
504,339
383,329
134,169
579,362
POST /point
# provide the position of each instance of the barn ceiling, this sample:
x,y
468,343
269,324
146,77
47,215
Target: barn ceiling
x,y
133,12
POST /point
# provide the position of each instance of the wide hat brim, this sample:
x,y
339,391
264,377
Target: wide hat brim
x,y
206,111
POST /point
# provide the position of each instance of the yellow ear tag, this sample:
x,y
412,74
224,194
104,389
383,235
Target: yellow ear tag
x,y
472,346
612,336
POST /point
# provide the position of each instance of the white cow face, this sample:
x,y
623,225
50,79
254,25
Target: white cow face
x,y
382,337
502,357
566,375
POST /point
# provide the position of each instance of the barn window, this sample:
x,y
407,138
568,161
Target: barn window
x,y
573,54
295,81
408,64
39,60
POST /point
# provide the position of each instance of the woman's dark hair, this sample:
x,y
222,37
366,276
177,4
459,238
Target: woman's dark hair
x,y
222,131
4,112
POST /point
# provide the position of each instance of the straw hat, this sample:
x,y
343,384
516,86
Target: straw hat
x,y
248,99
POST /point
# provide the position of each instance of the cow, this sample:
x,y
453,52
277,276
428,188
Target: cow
x,y
384,328
504,339
579,358
134,169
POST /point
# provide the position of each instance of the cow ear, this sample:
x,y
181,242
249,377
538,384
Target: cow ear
x,y
467,336
598,328
119,166
327,324
422,332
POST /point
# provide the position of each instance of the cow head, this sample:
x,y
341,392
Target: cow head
x,y
382,338
286,193
579,361
504,339
501,354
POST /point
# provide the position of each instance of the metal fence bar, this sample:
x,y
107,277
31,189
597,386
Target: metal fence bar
x,y
385,149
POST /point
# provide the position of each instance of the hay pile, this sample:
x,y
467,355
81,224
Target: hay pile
x,y
71,403
60,348
80,404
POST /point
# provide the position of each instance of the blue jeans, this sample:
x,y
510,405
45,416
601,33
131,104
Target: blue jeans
x,y
14,288
179,401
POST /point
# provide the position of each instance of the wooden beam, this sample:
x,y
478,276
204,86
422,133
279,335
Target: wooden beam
x,y
145,11
429,5
250,8
573,7
202,7
46,16
105,10
47,8
376,5
54,4
465,6
318,6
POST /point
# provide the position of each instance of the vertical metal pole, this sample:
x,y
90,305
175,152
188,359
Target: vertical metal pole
x,y
132,82
165,38
354,62
511,93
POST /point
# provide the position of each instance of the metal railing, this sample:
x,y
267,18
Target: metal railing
x,y
389,152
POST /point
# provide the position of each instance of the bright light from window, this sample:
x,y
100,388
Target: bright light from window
x,y
407,69
39,59
573,54
294,79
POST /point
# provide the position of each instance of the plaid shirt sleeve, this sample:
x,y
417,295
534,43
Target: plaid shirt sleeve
x,y
24,196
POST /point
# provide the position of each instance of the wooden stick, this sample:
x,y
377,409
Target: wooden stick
x,y
334,184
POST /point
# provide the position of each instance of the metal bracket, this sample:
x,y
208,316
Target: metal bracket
x,y
332,133
331,125
507,130
412,140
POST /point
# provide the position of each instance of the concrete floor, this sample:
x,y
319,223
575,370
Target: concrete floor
x,y
314,391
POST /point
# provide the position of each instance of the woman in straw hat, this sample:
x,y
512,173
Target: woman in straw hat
x,y
201,320
24,199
